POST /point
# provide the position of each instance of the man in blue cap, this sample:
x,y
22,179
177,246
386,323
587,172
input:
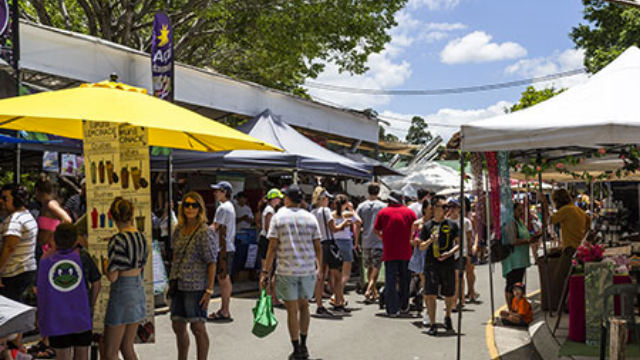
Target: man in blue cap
x,y
224,226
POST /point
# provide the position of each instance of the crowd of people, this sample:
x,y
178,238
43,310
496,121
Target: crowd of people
x,y
308,253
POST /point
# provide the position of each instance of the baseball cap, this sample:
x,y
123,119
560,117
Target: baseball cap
x,y
274,194
519,285
454,200
222,185
294,193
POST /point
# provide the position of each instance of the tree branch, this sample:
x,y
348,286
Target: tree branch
x,y
90,15
41,10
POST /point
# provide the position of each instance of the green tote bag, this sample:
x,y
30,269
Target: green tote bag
x,y
264,320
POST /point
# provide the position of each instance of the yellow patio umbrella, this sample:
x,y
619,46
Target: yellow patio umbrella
x,y
62,113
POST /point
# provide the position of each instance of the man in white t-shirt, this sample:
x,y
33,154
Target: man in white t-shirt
x,y
417,206
244,214
464,264
224,226
294,235
18,235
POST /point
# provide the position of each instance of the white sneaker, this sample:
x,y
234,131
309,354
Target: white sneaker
x,y
425,320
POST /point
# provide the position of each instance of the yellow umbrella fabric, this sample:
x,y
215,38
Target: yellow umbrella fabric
x,y
62,113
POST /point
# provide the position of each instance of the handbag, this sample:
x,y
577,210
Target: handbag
x,y
173,283
264,320
335,259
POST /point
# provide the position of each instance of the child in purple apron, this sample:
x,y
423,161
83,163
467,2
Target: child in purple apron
x,y
64,313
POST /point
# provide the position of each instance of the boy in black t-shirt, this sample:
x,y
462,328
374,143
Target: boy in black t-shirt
x,y
440,239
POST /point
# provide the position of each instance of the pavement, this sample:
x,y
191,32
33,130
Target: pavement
x,y
363,335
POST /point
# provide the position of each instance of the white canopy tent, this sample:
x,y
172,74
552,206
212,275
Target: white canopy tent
x,y
430,176
602,111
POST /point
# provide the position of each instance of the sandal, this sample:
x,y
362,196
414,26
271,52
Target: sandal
x,y
220,318
39,347
48,353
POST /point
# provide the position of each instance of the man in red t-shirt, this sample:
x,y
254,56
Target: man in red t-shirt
x,y
393,225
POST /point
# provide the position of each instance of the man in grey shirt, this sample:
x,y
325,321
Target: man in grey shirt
x,y
371,243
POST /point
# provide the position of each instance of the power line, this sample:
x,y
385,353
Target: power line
x,y
446,91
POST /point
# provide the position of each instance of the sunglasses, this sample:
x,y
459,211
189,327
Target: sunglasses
x,y
444,207
192,205
4,197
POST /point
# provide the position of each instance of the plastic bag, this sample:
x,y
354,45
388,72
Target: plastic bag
x,y
264,320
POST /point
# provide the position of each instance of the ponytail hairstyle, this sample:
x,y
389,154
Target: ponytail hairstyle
x,y
340,201
121,210
44,185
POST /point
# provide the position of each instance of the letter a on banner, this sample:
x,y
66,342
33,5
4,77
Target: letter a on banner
x,y
162,57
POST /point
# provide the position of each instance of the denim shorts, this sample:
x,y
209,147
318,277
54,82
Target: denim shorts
x,y
185,307
292,288
127,303
346,249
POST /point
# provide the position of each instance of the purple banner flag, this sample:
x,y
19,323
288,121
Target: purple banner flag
x,y
7,30
162,57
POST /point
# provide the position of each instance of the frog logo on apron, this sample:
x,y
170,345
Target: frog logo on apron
x,y
65,275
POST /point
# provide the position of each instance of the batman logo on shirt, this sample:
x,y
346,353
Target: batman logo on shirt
x,y
446,229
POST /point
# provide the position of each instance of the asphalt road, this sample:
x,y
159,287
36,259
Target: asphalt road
x,y
361,336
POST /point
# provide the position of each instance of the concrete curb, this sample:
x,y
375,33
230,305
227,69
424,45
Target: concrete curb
x,y
543,341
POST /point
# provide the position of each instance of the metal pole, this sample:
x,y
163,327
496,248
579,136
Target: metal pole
x,y
488,241
15,53
169,193
545,236
462,244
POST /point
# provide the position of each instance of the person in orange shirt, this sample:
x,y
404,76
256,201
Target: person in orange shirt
x,y
520,312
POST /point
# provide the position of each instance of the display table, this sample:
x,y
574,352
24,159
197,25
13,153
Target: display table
x,y
577,310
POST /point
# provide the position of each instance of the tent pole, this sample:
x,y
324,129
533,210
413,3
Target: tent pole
x,y
169,199
488,241
462,244
295,177
544,242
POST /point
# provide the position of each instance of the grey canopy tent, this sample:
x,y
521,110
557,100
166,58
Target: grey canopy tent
x,y
300,153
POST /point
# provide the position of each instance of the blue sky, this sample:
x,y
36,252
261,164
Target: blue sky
x,y
455,43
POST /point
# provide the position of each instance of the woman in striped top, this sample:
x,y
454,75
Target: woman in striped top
x,y
128,251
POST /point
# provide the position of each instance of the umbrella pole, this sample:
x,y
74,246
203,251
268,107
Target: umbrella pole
x,y
544,243
169,199
18,170
462,244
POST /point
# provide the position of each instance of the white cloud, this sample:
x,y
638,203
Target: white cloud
x,y
477,47
557,62
445,122
387,69
433,5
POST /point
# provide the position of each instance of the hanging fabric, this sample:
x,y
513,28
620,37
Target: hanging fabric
x,y
494,182
479,219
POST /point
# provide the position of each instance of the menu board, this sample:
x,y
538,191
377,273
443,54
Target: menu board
x,y
117,164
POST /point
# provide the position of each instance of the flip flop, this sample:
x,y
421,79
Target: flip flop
x,y
219,318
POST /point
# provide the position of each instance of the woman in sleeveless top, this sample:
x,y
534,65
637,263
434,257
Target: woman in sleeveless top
x,y
128,251
346,237
51,215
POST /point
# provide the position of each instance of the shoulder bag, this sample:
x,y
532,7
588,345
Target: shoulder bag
x,y
173,283
335,259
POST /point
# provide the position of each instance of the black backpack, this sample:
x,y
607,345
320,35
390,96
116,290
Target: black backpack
x,y
498,250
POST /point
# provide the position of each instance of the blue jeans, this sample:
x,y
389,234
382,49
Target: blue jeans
x,y
395,269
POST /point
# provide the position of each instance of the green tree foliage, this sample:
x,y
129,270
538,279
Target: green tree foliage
x,y
609,30
418,132
531,97
277,43
386,137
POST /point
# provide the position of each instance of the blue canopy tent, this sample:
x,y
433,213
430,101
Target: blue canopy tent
x,y
300,153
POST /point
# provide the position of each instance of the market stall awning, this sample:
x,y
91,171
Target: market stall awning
x,y
431,176
602,111
379,169
62,113
299,153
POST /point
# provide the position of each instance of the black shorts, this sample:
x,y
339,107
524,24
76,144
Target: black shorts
x,y
439,280
514,277
328,257
230,256
15,286
263,247
71,340
461,263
